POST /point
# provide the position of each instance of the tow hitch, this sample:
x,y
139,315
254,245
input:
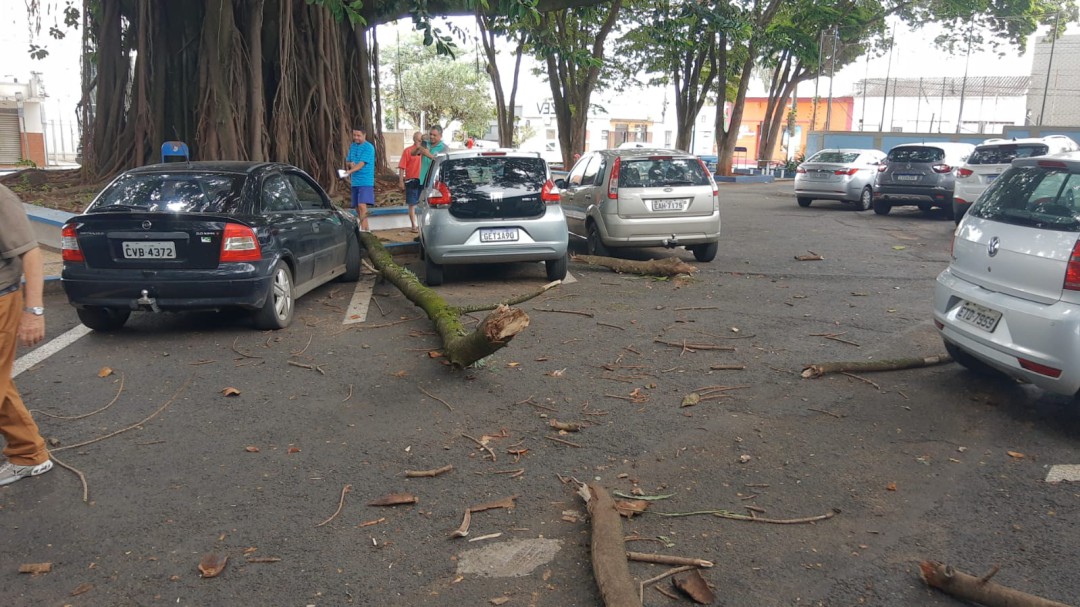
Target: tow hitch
x,y
147,302
672,242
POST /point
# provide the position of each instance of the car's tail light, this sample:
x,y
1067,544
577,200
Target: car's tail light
x,y
1052,164
1035,367
69,245
493,153
1072,271
239,243
550,193
942,168
613,181
882,167
962,173
845,171
440,195
800,170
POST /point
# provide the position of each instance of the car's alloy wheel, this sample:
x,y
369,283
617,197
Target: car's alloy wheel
x,y
881,207
556,268
866,199
103,319
595,244
804,202
433,272
278,310
705,252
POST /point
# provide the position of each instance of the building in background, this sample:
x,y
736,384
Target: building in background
x,y
981,104
1052,99
22,122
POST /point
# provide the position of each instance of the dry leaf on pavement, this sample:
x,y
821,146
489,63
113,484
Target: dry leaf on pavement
x,y
1015,454
212,564
230,391
695,587
629,508
251,449
506,502
691,399
105,372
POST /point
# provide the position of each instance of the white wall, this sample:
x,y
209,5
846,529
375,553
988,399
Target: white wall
x,y
1062,100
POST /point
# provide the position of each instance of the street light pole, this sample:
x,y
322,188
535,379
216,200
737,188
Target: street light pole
x,y
963,86
1049,66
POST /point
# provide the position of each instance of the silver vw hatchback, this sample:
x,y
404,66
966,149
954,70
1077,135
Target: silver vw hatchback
x,y
491,206
642,198
1010,299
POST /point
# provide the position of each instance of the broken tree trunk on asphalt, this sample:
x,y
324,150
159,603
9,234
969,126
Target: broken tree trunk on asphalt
x,y
669,266
608,550
461,347
979,590
895,364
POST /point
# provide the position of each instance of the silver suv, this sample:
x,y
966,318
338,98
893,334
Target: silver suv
x,y
920,174
642,198
491,206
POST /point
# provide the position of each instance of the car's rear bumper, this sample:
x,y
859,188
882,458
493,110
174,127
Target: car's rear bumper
x,y
824,190
619,231
897,195
1046,334
447,240
242,285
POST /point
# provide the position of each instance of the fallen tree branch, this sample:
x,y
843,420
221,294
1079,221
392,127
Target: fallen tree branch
x,y
669,266
688,346
978,590
462,347
509,302
608,549
895,364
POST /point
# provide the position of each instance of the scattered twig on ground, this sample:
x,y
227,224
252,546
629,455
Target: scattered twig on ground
x,y
565,442
692,347
631,349
378,326
817,370
133,426
531,402
665,559
862,379
428,473
237,350
430,395
304,349
604,324
666,574
513,473
482,445
743,517
349,395
578,312
82,477
341,504
84,415
727,367
697,308
511,302
379,306
202,362
836,415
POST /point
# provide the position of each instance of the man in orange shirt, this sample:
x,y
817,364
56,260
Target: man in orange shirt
x,y
409,177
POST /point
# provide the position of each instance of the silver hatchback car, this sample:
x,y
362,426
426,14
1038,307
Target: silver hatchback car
x,y
642,198
1010,299
846,175
491,206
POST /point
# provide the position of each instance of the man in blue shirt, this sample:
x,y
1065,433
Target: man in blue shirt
x,y
360,168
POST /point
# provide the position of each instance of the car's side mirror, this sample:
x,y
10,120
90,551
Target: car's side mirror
x,y
561,184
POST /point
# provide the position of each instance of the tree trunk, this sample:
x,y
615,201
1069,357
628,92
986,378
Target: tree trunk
x,y
691,91
256,90
461,347
218,129
727,138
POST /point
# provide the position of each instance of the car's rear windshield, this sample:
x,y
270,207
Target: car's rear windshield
x,y
1004,154
661,171
494,186
917,154
839,157
1039,197
173,192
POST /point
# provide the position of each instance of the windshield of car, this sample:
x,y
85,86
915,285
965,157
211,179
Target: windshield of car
x,y
172,192
834,156
916,154
494,186
1004,154
661,171
1039,197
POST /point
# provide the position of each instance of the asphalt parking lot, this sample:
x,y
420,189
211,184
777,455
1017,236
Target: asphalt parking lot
x,y
931,463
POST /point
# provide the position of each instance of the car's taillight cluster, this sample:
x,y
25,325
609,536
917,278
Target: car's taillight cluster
x,y
1072,271
800,170
715,190
882,167
942,168
439,195
69,245
239,243
962,173
613,181
550,193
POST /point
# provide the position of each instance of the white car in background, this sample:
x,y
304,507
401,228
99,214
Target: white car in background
x,y
992,157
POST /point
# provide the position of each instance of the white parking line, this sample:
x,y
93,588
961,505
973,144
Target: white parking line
x,y
46,350
1064,472
361,299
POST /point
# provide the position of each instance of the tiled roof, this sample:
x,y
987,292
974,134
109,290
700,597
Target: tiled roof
x,y
982,86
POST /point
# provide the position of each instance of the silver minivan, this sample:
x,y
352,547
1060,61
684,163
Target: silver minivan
x,y
919,174
642,197
1010,299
